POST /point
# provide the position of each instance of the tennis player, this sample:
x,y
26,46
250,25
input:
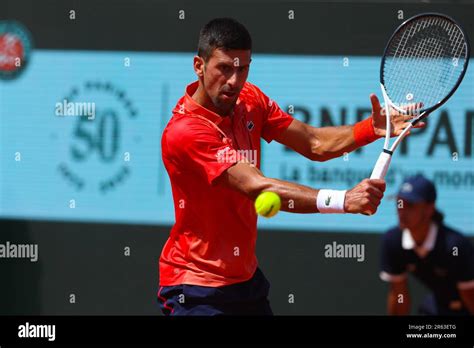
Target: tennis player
x,y
211,151
438,256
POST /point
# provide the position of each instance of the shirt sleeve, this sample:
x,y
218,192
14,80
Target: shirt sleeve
x,y
391,263
275,120
199,148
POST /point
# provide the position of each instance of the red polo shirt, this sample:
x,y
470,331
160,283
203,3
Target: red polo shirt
x,y
213,240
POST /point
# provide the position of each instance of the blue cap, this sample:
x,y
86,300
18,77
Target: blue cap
x,y
417,189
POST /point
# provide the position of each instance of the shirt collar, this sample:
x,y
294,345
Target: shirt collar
x,y
192,106
408,242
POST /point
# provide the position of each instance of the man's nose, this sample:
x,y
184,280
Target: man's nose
x,y
232,81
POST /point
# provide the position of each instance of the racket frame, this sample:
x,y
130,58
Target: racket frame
x,y
383,162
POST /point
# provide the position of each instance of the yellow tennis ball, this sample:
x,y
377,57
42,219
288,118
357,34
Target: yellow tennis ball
x,y
267,204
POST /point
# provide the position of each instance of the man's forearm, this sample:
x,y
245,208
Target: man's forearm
x,y
247,179
467,295
332,142
295,198
394,307
398,301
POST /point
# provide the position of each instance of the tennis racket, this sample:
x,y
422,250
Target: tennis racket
x,y
423,64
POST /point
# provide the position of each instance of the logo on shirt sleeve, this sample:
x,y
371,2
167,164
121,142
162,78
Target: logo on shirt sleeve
x,y
250,125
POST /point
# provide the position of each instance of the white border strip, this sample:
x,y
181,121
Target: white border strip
x,y
387,277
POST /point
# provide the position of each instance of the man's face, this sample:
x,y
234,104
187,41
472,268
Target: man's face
x,y
223,76
414,215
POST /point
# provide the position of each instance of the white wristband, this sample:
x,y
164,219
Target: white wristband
x,y
331,201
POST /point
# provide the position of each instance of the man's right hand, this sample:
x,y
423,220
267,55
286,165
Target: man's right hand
x,y
365,197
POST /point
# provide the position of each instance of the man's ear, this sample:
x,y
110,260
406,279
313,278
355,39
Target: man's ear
x,y
198,64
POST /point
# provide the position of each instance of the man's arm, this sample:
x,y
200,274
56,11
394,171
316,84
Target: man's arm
x,y
398,300
322,144
467,296
464,269
318,144
247,179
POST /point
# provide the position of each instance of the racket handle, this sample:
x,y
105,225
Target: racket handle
x,y
381,166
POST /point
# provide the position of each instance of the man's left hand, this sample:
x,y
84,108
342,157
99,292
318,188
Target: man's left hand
x,y
398,120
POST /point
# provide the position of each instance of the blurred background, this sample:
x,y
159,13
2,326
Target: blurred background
x,y
93,195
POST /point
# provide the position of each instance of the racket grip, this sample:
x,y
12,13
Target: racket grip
x,y
381,166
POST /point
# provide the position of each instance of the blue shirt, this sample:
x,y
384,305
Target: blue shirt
x,y
445,260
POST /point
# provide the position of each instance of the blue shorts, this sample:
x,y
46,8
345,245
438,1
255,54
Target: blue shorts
x,y
247,298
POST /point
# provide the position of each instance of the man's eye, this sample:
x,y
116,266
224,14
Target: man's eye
x,y
226,68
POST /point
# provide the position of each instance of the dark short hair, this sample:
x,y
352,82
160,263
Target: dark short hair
x,y
223,33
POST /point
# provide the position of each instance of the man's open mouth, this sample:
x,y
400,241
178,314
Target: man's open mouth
x,y
229,94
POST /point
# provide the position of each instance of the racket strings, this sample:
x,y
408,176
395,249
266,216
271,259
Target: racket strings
x,y
423,62
424,50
